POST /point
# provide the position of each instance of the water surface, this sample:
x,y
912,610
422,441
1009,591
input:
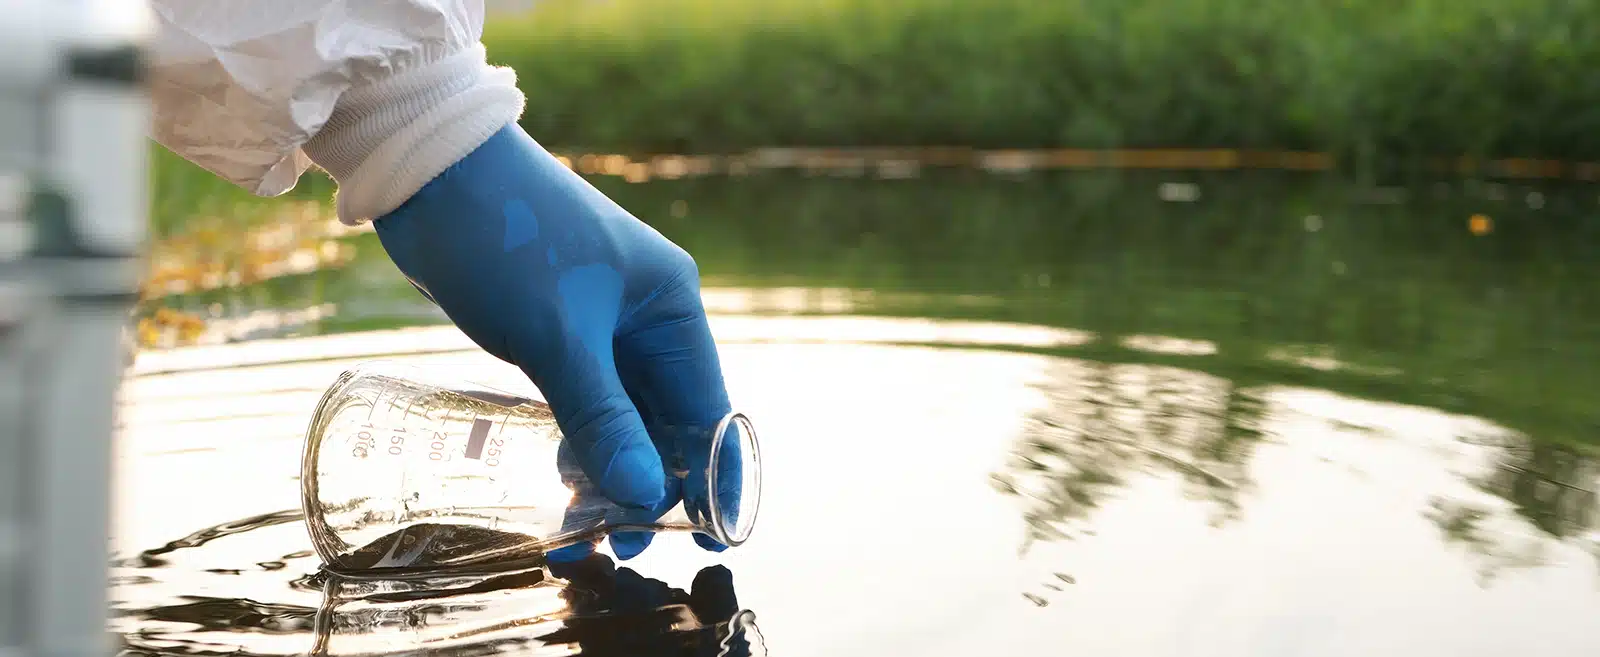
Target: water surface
x,y
1053,414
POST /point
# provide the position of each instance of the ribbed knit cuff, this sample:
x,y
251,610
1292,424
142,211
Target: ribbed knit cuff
x,y
386,140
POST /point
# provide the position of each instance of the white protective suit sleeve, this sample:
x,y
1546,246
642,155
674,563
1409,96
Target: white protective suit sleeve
x,y
382,94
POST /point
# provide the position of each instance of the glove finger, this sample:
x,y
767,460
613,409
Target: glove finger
x,y
709,543
670,359
628,545
598,421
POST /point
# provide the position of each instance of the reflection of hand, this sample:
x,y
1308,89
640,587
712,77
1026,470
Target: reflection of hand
x,y
602,312
617,611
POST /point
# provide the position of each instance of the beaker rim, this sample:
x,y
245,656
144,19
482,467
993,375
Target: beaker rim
x,y
734,536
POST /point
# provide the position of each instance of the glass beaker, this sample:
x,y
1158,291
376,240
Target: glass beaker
x,y
406,468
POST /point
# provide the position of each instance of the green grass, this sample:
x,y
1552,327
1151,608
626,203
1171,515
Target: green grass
x,y
1367,79
182,194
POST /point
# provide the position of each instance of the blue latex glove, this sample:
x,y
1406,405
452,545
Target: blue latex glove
x,y
600,311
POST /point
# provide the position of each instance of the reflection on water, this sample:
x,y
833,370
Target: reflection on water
x,y
1551,486
591,608
1104,424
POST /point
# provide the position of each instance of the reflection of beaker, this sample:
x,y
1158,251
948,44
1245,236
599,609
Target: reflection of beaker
x,y
591,607
434,614
407,469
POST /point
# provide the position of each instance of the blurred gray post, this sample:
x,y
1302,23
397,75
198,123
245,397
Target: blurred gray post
x,y
73,159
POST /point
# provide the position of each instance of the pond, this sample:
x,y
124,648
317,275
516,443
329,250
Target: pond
x,y
1047,413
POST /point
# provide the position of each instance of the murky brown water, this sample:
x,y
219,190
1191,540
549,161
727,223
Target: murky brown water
x,y
919,500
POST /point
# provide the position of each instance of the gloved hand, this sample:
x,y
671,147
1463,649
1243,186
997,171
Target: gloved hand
x,y
600,311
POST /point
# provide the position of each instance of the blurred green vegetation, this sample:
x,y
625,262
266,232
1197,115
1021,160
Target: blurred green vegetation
x,y
182,194
1373,81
